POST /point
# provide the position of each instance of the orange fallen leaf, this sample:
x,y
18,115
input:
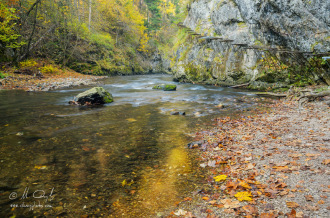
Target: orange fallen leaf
x,y
320,202
205,198
292,204
326,162
245,185
267,215
312,155
309,198
292,214
281,168
212,202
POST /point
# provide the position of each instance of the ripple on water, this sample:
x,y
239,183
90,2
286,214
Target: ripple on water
x,y
128,157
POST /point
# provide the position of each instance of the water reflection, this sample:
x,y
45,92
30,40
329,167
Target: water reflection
x,y
120,160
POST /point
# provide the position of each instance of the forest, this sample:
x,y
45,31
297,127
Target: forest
x,y
90,37
164,108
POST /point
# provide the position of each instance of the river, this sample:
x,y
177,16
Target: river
x,y
124,159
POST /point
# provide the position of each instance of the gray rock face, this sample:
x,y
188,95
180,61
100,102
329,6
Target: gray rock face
x,y
296,24
96,95
159,64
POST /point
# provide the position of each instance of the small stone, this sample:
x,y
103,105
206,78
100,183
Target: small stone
x,y
178,113
165,87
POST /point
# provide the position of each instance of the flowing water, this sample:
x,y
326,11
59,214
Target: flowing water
x,y
125,159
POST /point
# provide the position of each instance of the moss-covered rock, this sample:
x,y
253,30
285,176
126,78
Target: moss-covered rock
x,y
96,95
165,87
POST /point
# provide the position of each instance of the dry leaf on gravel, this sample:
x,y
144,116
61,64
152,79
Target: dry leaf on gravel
x,y
326,162
292,204
228,203
309,198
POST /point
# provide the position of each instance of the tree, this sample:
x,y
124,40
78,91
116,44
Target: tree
x,y
8,35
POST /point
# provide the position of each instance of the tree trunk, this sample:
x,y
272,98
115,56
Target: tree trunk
x,y
78,7
33,30
90,14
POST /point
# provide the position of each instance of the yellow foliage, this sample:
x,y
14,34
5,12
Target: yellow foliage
x,y
48,69
244,196
220,178
166,7
143,43
121,14
27,64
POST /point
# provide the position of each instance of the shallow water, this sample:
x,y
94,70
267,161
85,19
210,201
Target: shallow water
x,y
124,159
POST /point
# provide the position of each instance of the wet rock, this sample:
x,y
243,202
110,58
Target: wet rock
x,y
165,87
93,96
178,113
195,144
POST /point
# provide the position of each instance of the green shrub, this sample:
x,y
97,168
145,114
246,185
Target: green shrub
x,y
3,75
102,41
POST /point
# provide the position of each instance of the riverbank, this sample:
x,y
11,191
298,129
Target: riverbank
x,y
272,164
46,82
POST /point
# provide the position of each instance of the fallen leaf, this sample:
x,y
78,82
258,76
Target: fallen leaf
x,y
292,204
300,214
267,215
220,178
249,209
313,208
292,214
244,196
309,198
40,167
205,198
326,162
281,168
320,202
211,163
244,185
250,166
131,119
285,192
228,203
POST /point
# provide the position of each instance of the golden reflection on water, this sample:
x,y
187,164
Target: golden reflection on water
x,y
160,187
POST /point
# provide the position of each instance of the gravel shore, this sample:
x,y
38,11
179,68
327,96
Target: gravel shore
x,y
272,164
48,82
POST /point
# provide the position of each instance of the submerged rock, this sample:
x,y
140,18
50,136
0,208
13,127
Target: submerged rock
x,y
165,87
93,96
178,113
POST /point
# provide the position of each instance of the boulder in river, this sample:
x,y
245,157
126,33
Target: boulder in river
x,y
94,96
165,87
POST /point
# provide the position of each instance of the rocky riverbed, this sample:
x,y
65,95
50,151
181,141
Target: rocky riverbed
x,y
47,82
273,164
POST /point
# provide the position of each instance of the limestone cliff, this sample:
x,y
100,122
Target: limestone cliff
x,y
299,25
